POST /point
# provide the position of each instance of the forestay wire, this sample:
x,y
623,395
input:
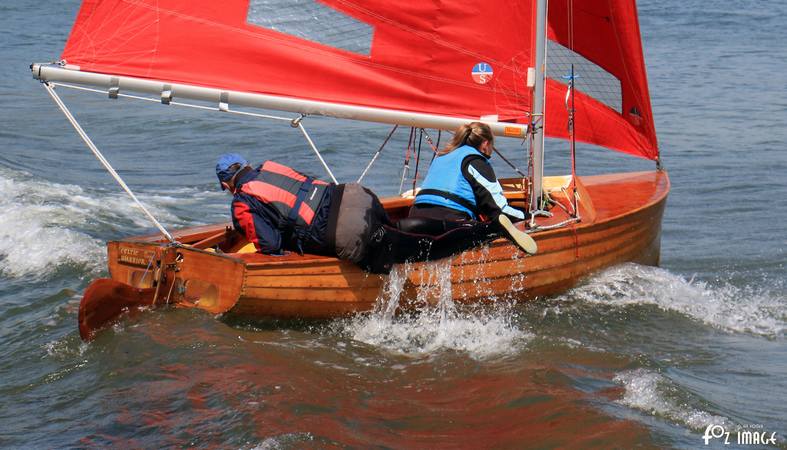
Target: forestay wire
x,y
103,160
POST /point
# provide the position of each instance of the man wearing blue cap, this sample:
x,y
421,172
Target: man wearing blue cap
x,y
279,209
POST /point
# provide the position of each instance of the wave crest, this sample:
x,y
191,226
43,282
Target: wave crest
x,y
45,226
760,309
653,393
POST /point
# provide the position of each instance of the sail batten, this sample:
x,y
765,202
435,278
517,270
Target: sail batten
x,y
457,59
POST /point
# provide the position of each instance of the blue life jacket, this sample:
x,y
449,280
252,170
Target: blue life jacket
x,y
445,185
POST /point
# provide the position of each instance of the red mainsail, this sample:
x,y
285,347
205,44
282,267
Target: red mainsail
x,y
461,58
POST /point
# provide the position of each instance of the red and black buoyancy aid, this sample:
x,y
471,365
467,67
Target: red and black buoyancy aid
x,y
292,197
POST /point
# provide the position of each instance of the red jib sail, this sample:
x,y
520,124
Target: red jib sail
x,y
461,58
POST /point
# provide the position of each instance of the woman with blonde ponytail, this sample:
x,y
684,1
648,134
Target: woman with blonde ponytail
x,y
461,186
474,134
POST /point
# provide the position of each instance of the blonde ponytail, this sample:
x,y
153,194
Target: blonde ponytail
x,y
473,134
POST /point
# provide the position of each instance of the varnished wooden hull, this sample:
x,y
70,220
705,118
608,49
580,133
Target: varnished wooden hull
x,y
621,213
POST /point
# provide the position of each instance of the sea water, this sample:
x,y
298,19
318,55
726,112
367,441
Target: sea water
x,y
634,356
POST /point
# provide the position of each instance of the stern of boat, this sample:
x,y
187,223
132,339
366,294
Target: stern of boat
x,y
182,274
152,274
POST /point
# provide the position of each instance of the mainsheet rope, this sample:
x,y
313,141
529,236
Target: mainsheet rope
x,y
103,160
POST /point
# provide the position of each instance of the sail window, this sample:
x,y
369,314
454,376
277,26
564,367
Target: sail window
x,y
313,21
589,77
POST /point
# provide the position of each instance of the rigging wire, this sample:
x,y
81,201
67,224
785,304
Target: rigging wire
x,y
379,150
572,143
572,112
439,135
510,164
430,141
418,157
299,124
103,160
435,147
406,168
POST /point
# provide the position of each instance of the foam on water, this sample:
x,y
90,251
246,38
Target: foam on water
x,y
437,324
288,440
655,394
66,349
760,310
37,221
45,225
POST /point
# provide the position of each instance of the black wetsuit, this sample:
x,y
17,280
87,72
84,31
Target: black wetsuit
x,y
418,239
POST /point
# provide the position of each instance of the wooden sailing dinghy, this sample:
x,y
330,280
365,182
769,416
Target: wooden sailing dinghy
x,y
426,66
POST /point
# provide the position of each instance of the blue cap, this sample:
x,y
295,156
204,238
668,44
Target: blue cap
x,y
225,162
